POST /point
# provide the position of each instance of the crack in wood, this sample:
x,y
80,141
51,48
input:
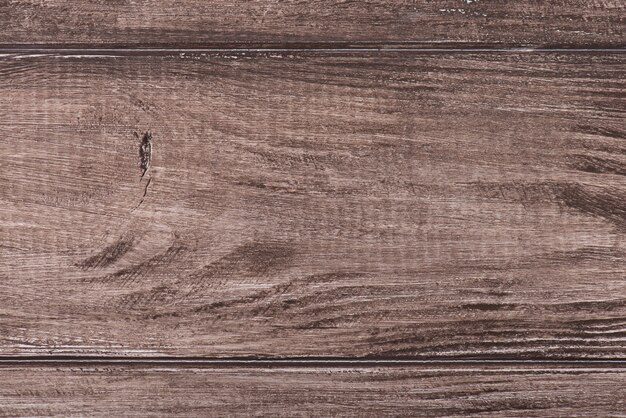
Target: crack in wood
x,y
145,152
145,157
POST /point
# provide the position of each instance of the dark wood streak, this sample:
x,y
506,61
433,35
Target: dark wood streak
x,y
448,205
108,255
431,391
599,165
605,202
317,23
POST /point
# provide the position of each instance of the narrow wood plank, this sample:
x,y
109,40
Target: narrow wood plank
x,y
461,23
431,391
443,205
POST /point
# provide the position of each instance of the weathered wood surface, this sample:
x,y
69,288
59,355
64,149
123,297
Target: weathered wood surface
x,y
443,205
512,391
548,23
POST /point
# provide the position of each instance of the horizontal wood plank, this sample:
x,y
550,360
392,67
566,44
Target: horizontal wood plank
x,y
396,205
417,23
430,391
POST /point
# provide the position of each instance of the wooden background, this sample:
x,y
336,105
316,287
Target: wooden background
x,y
312,208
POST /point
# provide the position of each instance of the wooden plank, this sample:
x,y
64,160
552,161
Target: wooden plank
x,y
396,205
117,390
176,23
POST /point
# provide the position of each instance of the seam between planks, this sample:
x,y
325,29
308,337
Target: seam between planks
x,y
173,51
299,362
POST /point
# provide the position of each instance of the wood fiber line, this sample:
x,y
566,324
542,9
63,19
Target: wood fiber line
x,y
393,205
188,23
324,391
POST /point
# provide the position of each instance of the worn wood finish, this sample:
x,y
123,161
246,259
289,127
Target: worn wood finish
x,y
512,391
461,23
443,205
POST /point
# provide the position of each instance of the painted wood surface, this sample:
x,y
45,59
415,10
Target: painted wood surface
x,y
427,391
338,23
395,205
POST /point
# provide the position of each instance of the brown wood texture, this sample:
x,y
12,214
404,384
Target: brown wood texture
x,y
547,23
395,205
429,391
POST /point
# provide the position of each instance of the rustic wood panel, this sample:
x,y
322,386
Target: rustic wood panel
x,y
550,23
420,205
512,391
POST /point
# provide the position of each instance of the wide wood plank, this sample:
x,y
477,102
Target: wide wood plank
x,y
461,23
396,205
168,390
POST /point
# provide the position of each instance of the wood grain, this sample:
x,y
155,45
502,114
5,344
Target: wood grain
x,y
404,23
430,391
396,205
